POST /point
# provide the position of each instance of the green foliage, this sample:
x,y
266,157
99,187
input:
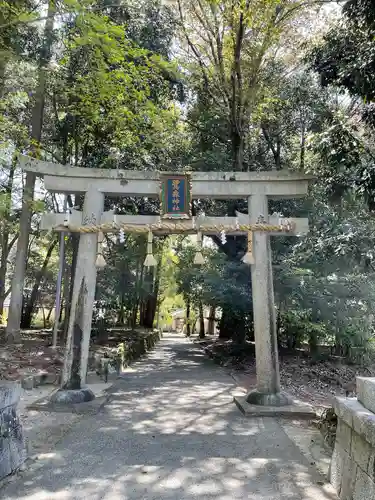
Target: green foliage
x,y
347,52
108,102
296,327
120,283
345,58
119,73
327,277
105,93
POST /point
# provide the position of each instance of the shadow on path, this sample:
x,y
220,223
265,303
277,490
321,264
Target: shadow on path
x,y
171,432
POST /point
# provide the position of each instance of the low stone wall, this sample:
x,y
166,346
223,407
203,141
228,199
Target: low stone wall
x,y
352,470
126,352
12,443
136,349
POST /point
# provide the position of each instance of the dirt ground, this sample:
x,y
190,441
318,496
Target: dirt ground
x,y
35,355
315,381
311,380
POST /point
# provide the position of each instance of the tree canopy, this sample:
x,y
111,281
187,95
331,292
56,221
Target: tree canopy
x,y
208,85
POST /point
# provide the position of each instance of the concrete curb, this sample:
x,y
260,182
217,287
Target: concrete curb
x,y
295,410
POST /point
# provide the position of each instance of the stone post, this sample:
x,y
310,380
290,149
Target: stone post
x,y
352,470
12,442
83,294
267,362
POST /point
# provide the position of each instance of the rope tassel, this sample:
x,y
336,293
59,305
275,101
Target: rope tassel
x,y
100,261
248,258
150,260
199,259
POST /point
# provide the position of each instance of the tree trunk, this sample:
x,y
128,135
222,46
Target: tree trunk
x,y
188,329
142,302
225,330
44,318
6,247
149,313
4,59
201,321
3,64
3,271
303,144
30,306
237,150
121,312
12,333
153,299
49,313
135,307
134,314
211,321
151,302
313,338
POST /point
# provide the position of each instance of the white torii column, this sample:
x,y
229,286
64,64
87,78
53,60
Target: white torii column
x,y
266,352
83,294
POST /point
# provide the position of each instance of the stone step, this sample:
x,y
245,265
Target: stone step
x,y
366,392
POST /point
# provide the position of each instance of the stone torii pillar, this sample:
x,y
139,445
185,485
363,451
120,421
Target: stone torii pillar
x,y
266,399
79,329
266,352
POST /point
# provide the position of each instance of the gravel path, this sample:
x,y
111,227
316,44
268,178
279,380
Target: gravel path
x,y
172,432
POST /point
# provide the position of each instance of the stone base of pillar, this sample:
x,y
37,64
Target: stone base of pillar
x,y
72,396
81,401
256,397
274,406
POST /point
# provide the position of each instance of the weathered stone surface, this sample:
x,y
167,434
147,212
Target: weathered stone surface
x,y
295,410
28,383
336,467
61,179
258,398
364,424
48,378
5,459
267,362
85,278
349,473
12,443
89,407
344,435
364,488
366,392
10,393
361,451
17,447
353,460
72,396
356,416
345,408
371,466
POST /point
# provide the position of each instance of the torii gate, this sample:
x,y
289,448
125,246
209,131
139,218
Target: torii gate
x,y
257,187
